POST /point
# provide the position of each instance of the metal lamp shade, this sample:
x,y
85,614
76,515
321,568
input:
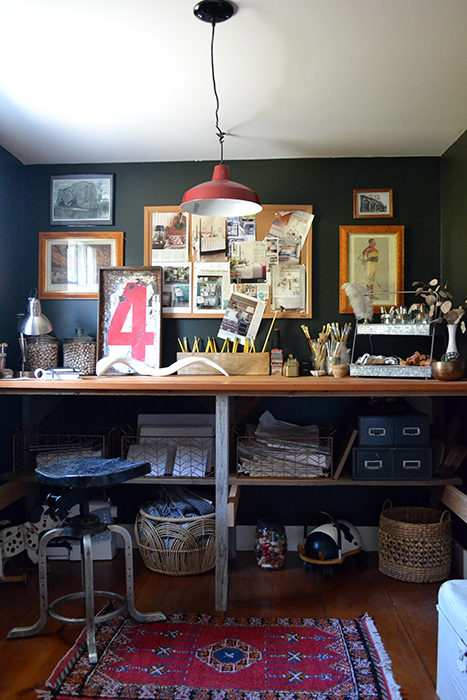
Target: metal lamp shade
x,y
34,322
221,196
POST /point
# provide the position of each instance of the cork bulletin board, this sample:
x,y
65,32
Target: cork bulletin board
x,y
173,240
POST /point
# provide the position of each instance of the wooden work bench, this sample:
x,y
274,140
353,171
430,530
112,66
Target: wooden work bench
x,y
223,390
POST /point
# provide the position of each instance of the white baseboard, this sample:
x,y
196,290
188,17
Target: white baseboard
x,y
246,537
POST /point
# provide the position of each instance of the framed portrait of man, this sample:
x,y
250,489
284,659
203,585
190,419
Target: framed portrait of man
x,y
372,256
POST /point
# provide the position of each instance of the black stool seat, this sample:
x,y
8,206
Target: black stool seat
x,y
90,472
82,476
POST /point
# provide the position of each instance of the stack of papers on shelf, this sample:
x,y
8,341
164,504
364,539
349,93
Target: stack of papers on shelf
x,y
284,450
284,458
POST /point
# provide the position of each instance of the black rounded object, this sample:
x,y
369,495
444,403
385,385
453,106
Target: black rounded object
x,y
213,11
321,546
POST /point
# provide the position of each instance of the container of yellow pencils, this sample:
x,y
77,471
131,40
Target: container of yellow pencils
x,y
235,363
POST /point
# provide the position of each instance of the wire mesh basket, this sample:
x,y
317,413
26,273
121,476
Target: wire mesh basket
x,y
177,546
415,543
49,444
284,457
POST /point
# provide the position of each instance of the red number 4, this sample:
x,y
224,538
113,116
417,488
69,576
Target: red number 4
x,y
132,308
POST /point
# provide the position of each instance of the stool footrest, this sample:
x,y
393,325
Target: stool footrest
x,y
99,618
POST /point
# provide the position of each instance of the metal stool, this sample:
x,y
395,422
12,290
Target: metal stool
x,y
81,477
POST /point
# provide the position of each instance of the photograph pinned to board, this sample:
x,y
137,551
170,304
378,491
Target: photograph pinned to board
x,y
248,261
209,236
176,288
242,318
211,284
258,290
288,287
240,228
292,224
169,237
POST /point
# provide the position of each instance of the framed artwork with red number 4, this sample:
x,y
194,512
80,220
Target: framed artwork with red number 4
x,y
130,315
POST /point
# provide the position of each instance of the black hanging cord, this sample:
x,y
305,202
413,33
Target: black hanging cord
x,y
220,133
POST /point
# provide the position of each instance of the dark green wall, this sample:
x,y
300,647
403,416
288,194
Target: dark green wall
x,y
11,188
454,218
327,184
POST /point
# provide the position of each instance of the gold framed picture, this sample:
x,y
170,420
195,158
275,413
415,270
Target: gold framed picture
x,y
372,204
69,263
372,256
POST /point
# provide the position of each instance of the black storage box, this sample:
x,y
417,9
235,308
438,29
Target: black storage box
x,y
392,463
389,431
372,464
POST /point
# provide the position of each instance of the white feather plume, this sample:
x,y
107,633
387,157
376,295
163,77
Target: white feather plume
x,y
359,301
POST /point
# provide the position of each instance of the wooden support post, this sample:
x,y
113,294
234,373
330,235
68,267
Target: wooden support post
x,y
222,482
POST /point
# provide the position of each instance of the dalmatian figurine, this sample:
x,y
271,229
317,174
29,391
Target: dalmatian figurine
x,y
17,538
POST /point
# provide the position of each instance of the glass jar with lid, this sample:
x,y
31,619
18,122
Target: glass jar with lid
x,y
79,352
270,545
41,352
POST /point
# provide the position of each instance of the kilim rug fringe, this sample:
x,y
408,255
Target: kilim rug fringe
x,y
204,657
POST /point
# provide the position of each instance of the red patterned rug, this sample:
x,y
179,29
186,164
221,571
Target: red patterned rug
x,y
202,657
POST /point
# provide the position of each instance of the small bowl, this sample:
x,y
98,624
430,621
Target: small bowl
x,y
340,370
448,371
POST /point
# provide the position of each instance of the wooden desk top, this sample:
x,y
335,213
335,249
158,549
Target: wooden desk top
x,y
257,385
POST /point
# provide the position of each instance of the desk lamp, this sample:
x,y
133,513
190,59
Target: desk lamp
x,y
33,322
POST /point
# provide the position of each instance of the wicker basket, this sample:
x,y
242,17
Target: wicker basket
x,y
415,543
177,546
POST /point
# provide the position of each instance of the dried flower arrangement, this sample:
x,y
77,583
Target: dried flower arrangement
x,y
439,303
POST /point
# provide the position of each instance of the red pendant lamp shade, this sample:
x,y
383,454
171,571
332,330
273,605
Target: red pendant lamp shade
x,y
221,196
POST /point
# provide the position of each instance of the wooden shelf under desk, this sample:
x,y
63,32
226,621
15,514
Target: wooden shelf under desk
x,y
223,389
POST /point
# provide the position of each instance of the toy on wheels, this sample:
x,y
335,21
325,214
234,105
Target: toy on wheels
x,y
329,544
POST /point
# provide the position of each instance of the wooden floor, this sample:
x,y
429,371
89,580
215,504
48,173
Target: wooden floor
x,y
404,613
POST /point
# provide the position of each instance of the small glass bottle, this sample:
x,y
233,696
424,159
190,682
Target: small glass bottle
x,y
291,367
270,545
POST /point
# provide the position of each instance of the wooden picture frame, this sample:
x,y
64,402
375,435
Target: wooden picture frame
x,y
69,263
81,200
380,272
263,222
373,204
130,314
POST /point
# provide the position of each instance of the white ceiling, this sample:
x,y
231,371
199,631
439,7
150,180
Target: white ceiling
x,y
130,80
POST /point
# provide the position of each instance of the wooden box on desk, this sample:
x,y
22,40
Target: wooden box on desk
x,y
233,362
